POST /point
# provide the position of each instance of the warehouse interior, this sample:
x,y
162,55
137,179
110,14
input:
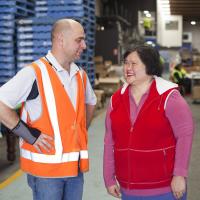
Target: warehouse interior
x,y
111,27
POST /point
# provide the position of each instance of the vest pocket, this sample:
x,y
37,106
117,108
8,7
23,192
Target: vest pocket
x,y
138,166
151,166
121,164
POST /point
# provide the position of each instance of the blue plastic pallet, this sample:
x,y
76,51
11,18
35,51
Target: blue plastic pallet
x,y
4,9
6,45
37,43
6,31
19,3
9,16
68,14
8,65
49,19
26,58
10,59
26,3
34,36
6,72
34,28
17,10
53,2
59,8
20,11
6,37
5,23
7,52
58,2
35,50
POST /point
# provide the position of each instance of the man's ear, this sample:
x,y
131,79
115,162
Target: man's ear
x,y
59,38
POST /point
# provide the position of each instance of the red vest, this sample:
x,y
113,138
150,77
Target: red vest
x,y
144,152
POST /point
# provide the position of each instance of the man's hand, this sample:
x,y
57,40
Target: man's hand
x,y
43,142
178,186
114,190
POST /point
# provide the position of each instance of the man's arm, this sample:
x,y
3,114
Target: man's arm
x,y
11,120
33,136
8,116
89,114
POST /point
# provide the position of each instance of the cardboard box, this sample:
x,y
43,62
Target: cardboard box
x,y
115,71
196,92
192,69
100,70
109,84
101,98
98,59
108,63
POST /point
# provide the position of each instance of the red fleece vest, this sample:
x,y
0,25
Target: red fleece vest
x,y
144,152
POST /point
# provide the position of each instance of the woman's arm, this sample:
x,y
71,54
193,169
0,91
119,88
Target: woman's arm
x,y
180,118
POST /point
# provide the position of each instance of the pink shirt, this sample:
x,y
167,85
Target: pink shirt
x,y
180,118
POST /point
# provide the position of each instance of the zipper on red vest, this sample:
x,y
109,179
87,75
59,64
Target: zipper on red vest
x,y
165,155
129,156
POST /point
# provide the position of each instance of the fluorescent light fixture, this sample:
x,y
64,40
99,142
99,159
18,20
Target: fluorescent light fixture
x,y
193,22
148,15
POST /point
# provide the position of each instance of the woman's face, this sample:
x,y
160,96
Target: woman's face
x,y
134,69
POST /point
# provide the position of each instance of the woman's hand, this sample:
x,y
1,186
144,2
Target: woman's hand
x,y
178,186
114,190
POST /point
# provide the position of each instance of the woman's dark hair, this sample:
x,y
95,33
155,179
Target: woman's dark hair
x,y
150,57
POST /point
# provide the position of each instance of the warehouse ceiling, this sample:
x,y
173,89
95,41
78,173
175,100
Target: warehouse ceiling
x,y
189,9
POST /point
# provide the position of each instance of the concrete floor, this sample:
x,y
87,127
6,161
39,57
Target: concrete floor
x,y
94,186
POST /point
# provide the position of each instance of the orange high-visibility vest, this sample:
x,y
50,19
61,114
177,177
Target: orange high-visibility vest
x,y
60,120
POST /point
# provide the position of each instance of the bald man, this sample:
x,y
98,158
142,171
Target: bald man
x,y
57,108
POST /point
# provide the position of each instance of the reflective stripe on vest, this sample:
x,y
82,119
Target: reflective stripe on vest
x,y
42,158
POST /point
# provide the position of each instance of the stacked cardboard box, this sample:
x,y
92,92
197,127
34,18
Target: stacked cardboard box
x,y
101,98
109,84
196,93
100,68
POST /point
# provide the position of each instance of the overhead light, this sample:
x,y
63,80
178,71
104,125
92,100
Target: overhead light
x,y
193,22
148,15
102,28
146,12
150,43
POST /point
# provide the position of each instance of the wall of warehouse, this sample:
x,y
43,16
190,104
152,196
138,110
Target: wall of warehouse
x,y
195,30
169,29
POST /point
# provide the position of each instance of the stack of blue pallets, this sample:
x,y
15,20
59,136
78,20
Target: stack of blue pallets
x,y
7,30
33,34
89,26
33,39
20,8
9,11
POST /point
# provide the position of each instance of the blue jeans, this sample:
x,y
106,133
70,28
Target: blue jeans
x,y
70,188
167,196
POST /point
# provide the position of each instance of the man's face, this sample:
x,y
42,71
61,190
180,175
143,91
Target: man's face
x,y
74,42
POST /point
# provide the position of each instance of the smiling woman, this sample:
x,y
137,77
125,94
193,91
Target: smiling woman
x,y
145,149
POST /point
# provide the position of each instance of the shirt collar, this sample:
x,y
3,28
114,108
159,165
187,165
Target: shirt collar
x,y
73,67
